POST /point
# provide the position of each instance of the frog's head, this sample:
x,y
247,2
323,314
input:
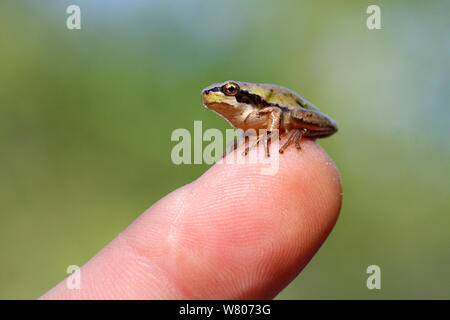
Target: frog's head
x,y
230,99
221,96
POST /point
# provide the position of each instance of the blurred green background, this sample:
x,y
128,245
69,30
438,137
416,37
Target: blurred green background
x,y
86,118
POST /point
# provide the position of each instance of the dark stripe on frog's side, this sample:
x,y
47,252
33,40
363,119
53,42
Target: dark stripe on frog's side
x,y
244,96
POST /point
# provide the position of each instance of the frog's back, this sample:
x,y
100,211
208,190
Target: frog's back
x,y
278,95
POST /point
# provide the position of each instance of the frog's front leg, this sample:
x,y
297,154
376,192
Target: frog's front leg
x,y
273,123
236,143
273,118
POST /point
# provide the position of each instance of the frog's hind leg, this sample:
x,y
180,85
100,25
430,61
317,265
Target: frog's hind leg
x,y
290,138
293,136
299,137
260,138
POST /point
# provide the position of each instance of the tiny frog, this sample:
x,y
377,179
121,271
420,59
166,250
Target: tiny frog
x,y
265,106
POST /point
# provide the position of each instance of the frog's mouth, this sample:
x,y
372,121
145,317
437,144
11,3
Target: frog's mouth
x,y
221,108
216,100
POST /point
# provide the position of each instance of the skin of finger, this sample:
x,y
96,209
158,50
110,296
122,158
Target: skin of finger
x,y
231,234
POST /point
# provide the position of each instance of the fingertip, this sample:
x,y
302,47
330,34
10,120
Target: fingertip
x,y
259,229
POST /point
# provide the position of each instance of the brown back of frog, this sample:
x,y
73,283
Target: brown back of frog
x,y
318,124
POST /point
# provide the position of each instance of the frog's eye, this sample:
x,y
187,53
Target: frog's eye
x,y
230,89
